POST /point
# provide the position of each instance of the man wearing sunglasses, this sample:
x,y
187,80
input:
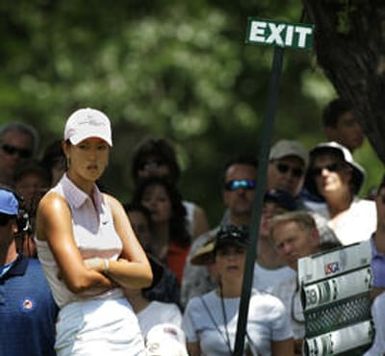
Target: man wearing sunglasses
x,y
27,310
239,183
18,142
288,161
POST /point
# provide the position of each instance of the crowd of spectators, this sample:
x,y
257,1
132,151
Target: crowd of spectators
x,y
312,203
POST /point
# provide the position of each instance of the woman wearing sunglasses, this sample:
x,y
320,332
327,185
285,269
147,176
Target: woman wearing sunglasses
x,y
210,321
88,249
336,178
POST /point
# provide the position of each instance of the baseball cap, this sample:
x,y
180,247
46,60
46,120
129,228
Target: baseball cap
x,y
232,235
284,148
358,173
9,204
86,123
226,235
282,198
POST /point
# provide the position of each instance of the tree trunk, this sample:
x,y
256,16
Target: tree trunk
x,y
349,41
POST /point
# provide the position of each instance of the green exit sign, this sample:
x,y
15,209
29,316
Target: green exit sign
x,y
279,34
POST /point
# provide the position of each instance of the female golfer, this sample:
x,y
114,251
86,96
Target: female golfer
x,y
88,249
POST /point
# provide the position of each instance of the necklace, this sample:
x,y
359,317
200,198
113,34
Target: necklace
x,y
226,339
225,319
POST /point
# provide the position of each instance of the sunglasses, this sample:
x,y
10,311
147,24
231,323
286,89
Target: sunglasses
x,y
4,219
235,184
334,167
284,168
12,151
153,163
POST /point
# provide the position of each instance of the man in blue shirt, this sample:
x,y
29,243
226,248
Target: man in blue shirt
x,y
27,309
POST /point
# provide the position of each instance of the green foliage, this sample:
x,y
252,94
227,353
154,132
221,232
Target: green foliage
x,y
174,69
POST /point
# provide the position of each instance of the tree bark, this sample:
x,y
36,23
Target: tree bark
x,y
349,41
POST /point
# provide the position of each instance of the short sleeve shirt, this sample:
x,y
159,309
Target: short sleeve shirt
x,y
204,322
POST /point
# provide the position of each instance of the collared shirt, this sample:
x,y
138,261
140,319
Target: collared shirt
x,y
94,233
4,269
378,266
27,310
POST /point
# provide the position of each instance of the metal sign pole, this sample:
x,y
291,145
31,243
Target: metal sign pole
x,y
266,134
279,35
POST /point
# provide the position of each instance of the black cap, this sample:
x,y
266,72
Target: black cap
x,y
232,235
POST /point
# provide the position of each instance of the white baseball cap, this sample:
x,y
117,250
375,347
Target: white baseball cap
x,y
86,123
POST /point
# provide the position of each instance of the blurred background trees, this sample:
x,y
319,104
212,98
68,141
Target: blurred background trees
x,y
179,70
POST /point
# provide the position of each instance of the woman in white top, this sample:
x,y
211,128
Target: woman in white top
x,y
210,321
334,176
88,249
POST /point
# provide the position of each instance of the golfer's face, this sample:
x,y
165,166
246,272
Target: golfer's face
x,y
89,158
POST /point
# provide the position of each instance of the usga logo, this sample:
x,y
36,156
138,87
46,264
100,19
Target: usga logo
x,y
332,267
